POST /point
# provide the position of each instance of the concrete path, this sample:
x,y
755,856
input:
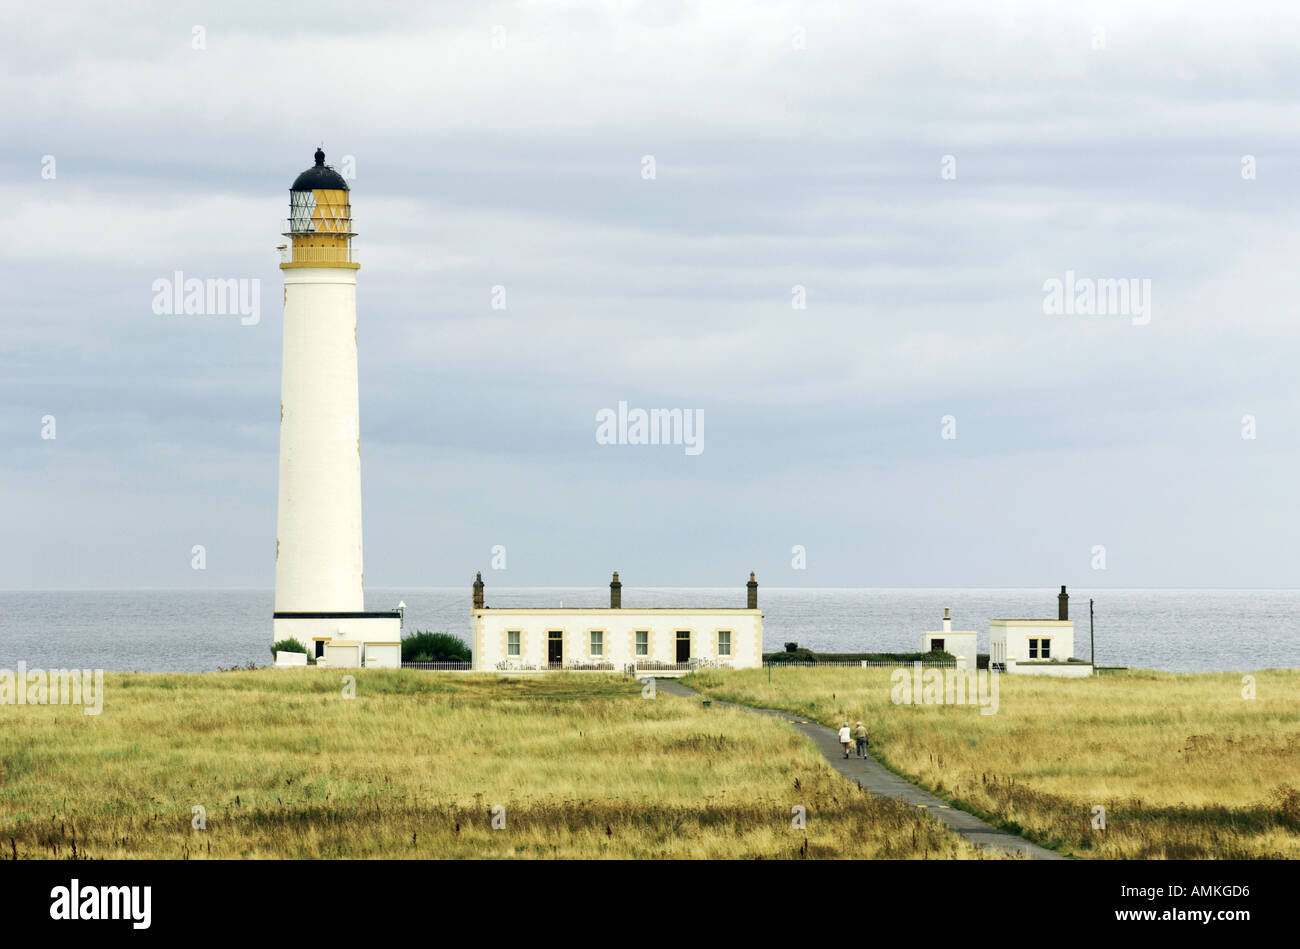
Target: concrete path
x,y
876,779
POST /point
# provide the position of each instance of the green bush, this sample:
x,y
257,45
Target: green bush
x,y
287,645
807,655
423,646
934,655
793,653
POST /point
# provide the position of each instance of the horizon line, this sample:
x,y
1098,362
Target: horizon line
x,y
271,589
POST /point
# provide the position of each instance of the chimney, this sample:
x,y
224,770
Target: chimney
x,y
615,593
947,621
1063,604
478,591
752,602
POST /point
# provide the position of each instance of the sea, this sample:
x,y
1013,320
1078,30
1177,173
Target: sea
x,y
207,630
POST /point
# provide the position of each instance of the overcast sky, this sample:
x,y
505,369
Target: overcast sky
x,y
793,145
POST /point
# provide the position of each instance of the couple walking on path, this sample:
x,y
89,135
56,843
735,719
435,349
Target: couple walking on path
x,y
857,736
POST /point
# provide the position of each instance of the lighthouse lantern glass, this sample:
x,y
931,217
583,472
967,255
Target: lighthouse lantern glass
x,y
301,206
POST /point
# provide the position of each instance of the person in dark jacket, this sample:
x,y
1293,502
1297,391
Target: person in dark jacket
x,y
860,738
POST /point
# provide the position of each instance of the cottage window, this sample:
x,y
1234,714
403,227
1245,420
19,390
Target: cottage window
x,y
512,643
724,642
597,643
643,642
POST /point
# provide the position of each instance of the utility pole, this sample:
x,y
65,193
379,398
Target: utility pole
x,y
1092,642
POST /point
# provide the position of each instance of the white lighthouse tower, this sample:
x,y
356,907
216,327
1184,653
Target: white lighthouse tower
x,y
319,576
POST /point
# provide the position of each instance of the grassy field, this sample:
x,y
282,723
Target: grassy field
x,y
1184,766
284,766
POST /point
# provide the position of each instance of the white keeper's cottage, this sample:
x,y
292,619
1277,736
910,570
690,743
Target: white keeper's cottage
x,y
655,639
1037,646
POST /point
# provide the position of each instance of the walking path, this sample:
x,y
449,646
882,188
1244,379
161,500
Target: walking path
x,y
876,779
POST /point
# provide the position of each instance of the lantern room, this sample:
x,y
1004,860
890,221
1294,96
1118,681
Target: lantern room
x,y
320,220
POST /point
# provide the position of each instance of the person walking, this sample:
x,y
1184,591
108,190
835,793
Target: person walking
x,y
860,736
845,738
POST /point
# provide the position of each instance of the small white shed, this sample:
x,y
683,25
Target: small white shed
x,y
961,643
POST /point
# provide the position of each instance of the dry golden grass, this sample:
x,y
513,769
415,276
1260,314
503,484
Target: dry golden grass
x,y
1183,764
412,766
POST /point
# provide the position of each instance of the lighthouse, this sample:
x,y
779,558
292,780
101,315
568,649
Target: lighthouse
x,y
319,575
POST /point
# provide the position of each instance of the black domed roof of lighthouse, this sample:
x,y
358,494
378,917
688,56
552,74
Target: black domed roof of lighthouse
x,y
320,175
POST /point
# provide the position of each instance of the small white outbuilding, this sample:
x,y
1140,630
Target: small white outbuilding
x,y
960,643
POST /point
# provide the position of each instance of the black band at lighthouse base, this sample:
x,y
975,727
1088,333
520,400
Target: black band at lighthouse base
x,y
377,614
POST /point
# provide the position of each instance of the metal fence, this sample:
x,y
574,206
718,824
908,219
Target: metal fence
x,y
676,666
507,666
869,663
317,255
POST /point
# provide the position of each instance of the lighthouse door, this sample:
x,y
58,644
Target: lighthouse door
x,y
555,648
683,645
